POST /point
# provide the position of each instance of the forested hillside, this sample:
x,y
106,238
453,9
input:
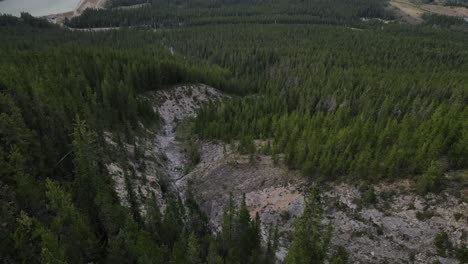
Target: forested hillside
x,y
463,3
339,102
176,13
59,92
310,84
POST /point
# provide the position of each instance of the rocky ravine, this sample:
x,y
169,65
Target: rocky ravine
x,y
173,106
271,191
162,166
386,231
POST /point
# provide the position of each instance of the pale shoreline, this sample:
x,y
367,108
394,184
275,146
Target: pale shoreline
x,y
78,10
84,4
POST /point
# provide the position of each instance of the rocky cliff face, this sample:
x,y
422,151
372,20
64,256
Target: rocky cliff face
x,y
397,226
271,191
159,165
386,223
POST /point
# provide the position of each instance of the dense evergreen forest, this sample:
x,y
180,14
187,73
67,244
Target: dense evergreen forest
x,y
124,3
161,13
339,102
59,92
456,23
463,3
380,101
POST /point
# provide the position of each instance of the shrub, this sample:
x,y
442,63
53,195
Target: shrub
x,y
442,243
432,179
421,216
369,197
462,254
341,256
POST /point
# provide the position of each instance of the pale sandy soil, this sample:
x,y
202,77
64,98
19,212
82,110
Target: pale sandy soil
x,y
412,13
446,10
85,4
408,11
82,5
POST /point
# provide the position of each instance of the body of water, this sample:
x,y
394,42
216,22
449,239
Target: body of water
x,y
37,7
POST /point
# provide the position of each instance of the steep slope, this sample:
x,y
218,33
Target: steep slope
x,y
389,223
386,223
157,158
271,191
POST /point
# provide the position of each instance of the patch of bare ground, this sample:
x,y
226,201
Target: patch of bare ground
x,y
85,4
396,226
139,168
272,191
446,10
82,6
407,11
411,12
399,226
393,225
156,163
405,16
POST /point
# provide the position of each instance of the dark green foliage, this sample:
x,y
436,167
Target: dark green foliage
x,y
87,176
197,222
350,103
272,245
424,215
120,3
442,243
462,253
246,145
132,245
432,180
311,238
67,237
8,216
249,235
172,224
369,197
193,250
463,3
240,240
59,92
444,21
379,103
341,256
35,244
161,13
73,230
213,253
153,218
34,21
446,249
193,152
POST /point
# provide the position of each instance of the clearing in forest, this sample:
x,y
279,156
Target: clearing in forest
x,y
412,12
